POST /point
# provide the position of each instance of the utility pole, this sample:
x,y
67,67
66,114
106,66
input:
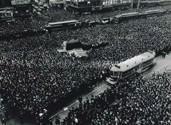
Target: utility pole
x,y
138,5
132,4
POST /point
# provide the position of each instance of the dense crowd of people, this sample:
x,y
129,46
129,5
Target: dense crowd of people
x,y
137,102
34,76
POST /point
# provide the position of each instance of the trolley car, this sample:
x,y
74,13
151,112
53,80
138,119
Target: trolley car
x,y
131,67
63,25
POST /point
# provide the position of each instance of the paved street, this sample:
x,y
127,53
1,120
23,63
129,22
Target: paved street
x,y
64,112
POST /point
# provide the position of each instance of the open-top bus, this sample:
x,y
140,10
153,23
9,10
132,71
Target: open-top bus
x,y
130,67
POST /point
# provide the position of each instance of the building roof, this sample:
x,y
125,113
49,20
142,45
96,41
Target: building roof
x,y
133,62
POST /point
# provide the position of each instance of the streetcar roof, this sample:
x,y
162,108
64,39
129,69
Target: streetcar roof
x,y
133,62
61,22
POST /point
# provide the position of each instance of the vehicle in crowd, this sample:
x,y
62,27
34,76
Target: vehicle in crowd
x,y
126,16
154,12
75,48
151,2
63,25
107,20
133,15
131,67
89,23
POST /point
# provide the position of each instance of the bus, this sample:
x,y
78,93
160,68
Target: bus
x,y
131,67
63,25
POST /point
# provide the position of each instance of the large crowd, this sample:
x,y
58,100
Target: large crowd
x,y
137,102
34,76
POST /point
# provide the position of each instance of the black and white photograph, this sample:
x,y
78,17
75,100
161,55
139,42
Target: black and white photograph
x,y
85,62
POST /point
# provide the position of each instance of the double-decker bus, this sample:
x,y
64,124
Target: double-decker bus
x,y
63,25
131,67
